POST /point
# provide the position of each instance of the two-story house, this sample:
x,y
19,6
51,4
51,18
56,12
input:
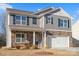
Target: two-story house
x,y
49,27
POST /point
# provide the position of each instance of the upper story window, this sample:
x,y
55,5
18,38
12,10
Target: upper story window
x,y
34,20
17,19
23,20
49,20
20,19
63,23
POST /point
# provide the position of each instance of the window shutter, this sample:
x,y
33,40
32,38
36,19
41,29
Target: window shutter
x,y
51,20
13,19
27,20
59,22
46,20
68,23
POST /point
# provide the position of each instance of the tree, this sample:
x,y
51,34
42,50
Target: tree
x,y
3,30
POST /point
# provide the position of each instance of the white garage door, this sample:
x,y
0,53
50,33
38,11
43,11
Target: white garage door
x,y
55,42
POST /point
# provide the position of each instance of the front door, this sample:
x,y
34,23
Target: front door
x,y
38,42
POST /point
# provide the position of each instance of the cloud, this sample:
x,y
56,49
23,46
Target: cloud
x,y
5,5
39,9
78,11
75,16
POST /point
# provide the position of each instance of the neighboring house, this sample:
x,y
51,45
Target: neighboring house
x,y
75,33
50,27
75,30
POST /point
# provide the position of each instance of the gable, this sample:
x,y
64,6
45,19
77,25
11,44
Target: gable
x,y
43,11
75,30
62,12
58,12
40,13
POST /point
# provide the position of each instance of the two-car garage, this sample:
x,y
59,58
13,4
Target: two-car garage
x,y
57,42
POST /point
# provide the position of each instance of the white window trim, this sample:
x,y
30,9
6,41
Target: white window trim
x,y
25,34
63,24
21,20
50,19
25,21
36,23
66,24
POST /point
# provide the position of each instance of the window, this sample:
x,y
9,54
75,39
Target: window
x,y
23,37
49,20
17,19
20,20
20,37
23,20
34,20
63,23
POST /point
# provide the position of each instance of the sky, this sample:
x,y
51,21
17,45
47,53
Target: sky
x,y
71,8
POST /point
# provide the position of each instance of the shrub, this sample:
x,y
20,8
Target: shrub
x,y
27,46
0,46
34,47
2,40
18,47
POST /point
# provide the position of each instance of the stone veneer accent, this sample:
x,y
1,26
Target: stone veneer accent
x,y
29,37
38,35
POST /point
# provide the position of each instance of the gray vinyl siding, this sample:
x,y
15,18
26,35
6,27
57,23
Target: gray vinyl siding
x,y
30,24
55,23
41,23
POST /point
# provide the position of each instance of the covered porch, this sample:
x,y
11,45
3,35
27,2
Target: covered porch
x,y
32,38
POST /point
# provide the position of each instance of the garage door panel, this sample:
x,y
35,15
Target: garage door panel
x,y
49,42
59,42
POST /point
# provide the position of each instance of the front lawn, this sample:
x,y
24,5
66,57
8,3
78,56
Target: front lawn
x,y
37,52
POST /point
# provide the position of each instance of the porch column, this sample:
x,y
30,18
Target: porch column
x,y
44,40
8,39
34,38
8,32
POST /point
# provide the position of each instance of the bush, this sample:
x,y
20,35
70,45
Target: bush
x,y
2,40
18,47
34,47
0,46
27,46
2,43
